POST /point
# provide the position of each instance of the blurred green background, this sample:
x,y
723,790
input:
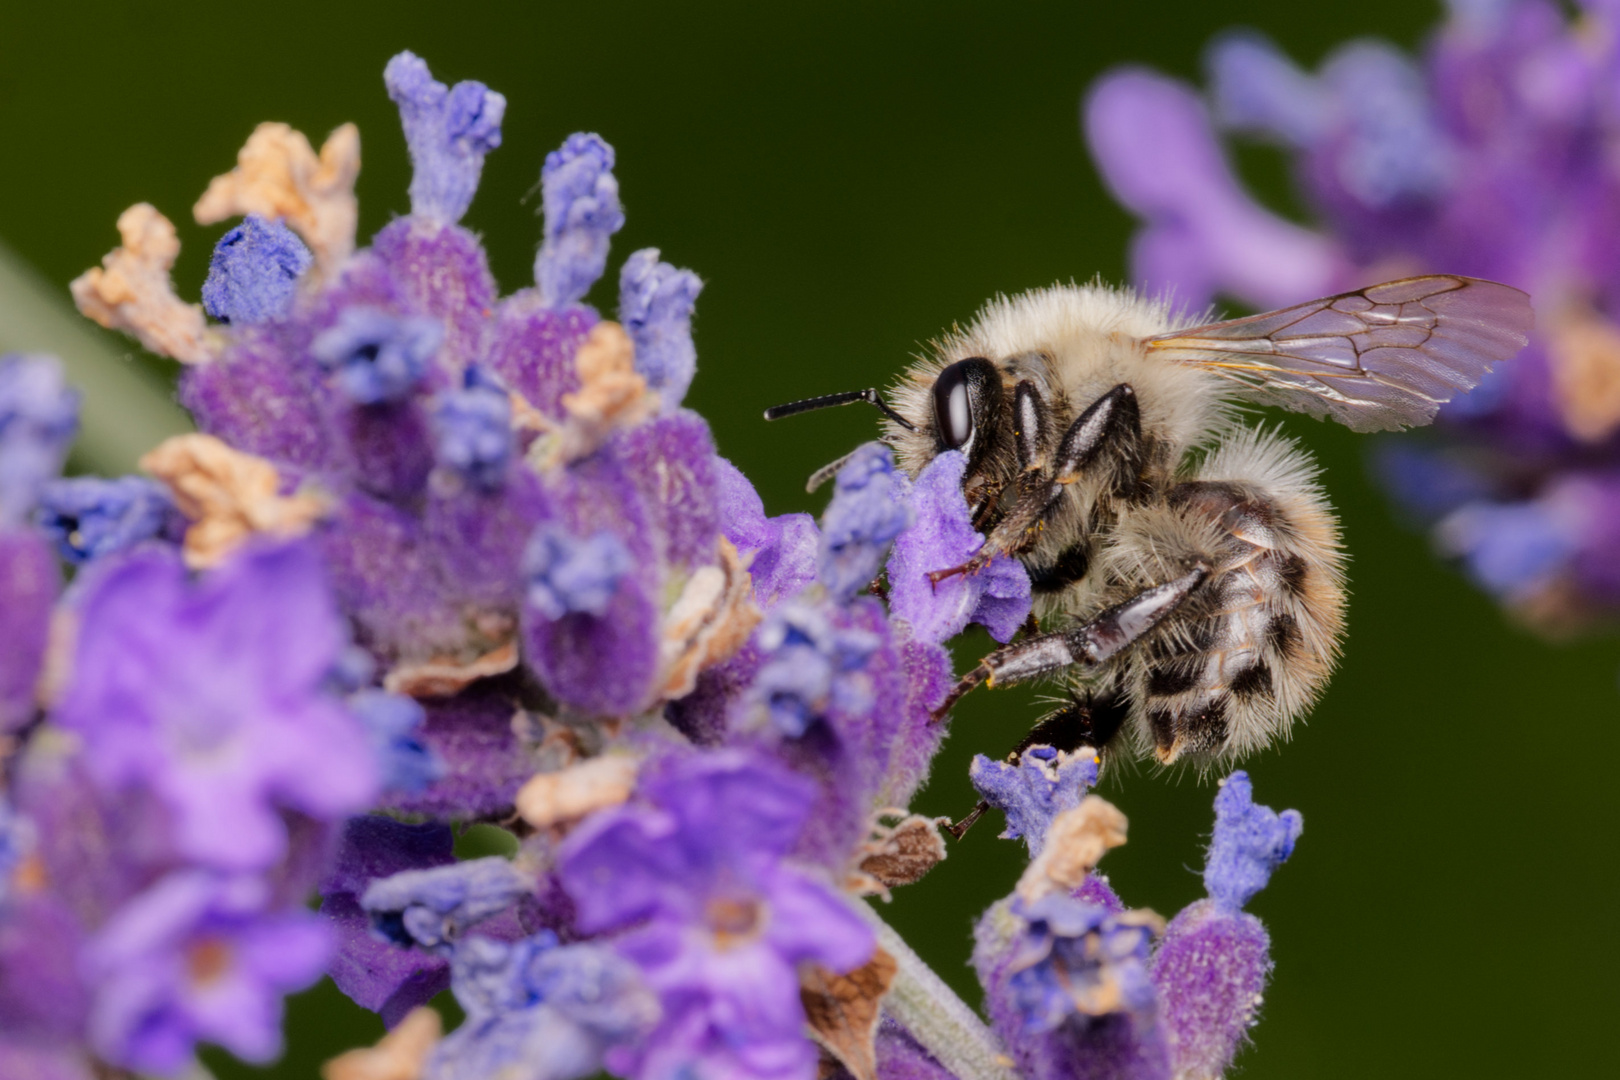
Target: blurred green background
x,y
849,179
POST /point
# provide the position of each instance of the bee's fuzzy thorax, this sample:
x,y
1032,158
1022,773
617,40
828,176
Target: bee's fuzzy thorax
x,y
1088,337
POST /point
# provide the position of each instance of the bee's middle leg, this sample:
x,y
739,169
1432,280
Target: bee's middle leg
x,y
1087,645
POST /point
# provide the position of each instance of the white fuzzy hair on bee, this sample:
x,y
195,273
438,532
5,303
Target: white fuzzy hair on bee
x,y
1186,564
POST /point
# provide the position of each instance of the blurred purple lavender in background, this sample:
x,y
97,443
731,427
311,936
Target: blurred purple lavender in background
x,y
1489,154
438,558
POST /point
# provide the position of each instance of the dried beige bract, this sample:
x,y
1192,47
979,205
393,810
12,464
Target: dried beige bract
x,y
898,854
130,291
1075,843
709,622
444,677
227,495
556,798
1583,354
398,1055
277,175
843,1011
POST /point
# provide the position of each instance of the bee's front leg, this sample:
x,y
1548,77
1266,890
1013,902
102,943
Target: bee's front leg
x,y
1087,645
1112,422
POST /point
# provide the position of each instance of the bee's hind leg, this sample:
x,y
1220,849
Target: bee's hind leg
x,y
1086,645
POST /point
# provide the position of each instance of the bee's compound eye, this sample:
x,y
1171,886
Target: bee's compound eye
x,y
953,403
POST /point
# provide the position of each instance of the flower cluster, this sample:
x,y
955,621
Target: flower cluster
x,y
1489,156
438,557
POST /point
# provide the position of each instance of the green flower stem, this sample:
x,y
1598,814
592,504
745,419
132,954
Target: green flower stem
x,y
125,412
920,1002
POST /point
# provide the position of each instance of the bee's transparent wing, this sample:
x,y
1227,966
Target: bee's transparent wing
x,y
1379,359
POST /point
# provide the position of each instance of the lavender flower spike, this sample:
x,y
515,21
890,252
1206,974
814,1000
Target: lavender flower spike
x,y
449,130
582,211
254,273
869,509
997,596
1213,964
655,306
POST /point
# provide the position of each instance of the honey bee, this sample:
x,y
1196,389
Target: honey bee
x,y
1187,568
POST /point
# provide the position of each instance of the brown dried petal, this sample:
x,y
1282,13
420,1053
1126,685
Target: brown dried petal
x,y
131,291
277,175
902,853
398,1055
843,1011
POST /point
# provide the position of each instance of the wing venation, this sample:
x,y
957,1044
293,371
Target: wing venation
x,y
1378,359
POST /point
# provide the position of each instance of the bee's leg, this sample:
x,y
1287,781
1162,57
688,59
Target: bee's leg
x,y
1087,645
1113,420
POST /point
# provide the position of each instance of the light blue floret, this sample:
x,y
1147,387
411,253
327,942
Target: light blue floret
x,y
581,200
449,130
254,274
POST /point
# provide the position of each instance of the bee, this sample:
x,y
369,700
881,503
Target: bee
x,y
1187,568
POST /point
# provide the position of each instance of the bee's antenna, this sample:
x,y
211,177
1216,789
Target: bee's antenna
x,y
848,397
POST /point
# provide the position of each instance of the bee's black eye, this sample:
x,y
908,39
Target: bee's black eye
x,y
953,402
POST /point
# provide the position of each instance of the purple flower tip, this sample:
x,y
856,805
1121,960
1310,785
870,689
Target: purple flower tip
x,y
473,429
1258,89
197,957
1250,842
568,575
39,416
869,509
89,518
378,357
997,596
582,211
254,273
433,908
1043,784
393,722
1077,960
655,306
448,130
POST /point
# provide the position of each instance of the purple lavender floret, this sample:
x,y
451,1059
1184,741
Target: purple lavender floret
x,y
694,879
655,306
393,722
804,654
581,202
212,694
1043,784
88,517
540,1011
39,415
254,273
434,908
998,597
568,575
473,430
783,551
1077,960
869,508
1250,842
377,974
449,130
377,357
198,957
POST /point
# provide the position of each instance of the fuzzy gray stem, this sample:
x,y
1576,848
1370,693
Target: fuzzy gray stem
x,y
920,1002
